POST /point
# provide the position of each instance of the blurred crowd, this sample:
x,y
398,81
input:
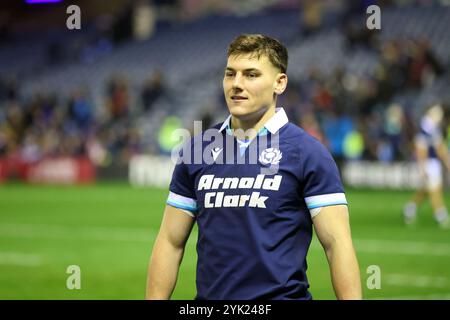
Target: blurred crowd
x,y
50,125
354,115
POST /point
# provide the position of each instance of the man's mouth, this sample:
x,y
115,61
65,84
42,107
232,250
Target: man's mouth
x,y
238,98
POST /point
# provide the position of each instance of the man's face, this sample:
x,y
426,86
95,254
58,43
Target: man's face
x,y
250,83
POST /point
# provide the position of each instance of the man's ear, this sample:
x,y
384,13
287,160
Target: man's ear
x,y
281,83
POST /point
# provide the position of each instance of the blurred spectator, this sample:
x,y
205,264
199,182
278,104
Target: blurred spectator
x,y
154,88
80,110
353,145
3,141
9,88
144,19
122,29
166,139
336,127
118,97
311,16
310,125
358,35
391,72
422,64
393,127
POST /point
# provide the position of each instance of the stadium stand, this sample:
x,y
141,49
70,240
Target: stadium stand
x,y
57,100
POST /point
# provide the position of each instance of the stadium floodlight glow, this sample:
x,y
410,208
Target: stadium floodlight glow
x,y
42,1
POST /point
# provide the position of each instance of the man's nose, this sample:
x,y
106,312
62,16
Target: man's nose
x,y
237,82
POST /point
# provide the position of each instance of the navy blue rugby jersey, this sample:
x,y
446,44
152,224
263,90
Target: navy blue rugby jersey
x,y
429,137
252,201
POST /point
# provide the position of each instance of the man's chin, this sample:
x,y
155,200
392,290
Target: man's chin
x,y
244,113
238,111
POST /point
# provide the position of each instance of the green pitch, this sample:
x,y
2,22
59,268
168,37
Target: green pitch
x,y
108,231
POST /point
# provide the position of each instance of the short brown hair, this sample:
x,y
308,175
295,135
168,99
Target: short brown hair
x,y
260,44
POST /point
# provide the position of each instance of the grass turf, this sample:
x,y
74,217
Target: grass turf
x,y
108,230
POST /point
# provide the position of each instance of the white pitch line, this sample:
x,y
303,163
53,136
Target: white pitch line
x,y
398,247
431,296
416,281
20,259
80,233
402,247
60,232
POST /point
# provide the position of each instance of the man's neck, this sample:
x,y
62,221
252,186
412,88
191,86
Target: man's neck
x,y
255,123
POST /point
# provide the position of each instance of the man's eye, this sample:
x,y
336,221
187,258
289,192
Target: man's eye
x,y
252,75
229,74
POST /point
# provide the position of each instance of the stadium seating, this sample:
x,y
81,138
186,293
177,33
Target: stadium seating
x,y
192,57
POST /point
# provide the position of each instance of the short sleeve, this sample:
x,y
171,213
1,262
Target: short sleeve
x,y
182,190
322,185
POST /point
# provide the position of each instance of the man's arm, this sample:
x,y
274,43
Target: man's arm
x,y
421,152
167,253
333,230
442,151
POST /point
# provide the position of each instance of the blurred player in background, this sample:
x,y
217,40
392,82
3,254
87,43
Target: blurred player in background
x,y
431,153
255,229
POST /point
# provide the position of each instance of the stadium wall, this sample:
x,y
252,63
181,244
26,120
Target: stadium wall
x,y
150,171
50,170
156,171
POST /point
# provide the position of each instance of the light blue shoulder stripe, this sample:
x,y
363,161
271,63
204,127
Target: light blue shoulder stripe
x,y
181,206
326,204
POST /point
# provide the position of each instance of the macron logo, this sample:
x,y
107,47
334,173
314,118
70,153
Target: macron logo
x,y
215,152
220,199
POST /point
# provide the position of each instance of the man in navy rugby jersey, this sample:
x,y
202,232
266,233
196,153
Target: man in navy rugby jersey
x,y
256,198
432,154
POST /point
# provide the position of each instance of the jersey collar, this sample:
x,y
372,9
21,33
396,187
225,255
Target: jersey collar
x,y
273,125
